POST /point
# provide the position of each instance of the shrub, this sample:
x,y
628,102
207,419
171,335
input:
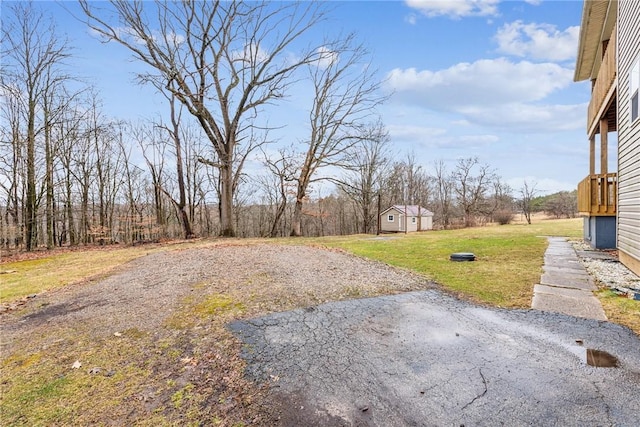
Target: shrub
x,y
503,217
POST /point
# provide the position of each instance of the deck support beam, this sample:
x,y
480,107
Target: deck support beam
x,y
604,146
592,155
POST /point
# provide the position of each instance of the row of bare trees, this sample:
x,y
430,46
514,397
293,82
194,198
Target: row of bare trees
x,y
71,175
221,63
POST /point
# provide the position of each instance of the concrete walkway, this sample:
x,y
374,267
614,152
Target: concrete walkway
x,y
565,286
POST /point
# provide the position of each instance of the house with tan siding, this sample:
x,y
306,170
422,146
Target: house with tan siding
x,y
609,57
405,218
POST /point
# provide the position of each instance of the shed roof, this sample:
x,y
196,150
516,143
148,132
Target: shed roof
x,y
411,210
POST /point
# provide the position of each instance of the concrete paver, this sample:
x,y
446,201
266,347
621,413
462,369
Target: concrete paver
x,y
566,279
574,302
565,286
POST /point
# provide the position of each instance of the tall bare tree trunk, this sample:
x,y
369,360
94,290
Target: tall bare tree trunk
x,y
33,54
345,95
182,197
226,201
31,208
49,208
296,221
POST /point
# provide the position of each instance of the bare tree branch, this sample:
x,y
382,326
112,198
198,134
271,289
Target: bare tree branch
x,y
222,60
346,94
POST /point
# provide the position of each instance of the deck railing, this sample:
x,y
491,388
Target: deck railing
x,y
604,81
597,195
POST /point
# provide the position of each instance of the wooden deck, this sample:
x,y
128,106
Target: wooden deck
x,y
604,90
597,195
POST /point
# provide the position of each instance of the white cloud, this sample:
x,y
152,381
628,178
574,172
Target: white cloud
x,y
326,57
477,139
455,8
411,19
175,39
529,118
497,93
539,41
543,186
428,137
485,83
253,54
414,132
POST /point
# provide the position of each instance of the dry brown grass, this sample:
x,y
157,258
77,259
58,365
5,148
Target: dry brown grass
x,y
620,309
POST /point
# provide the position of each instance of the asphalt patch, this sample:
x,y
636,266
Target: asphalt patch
x,y
426,358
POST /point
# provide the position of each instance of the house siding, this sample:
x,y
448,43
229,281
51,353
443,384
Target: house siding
x,y
628,234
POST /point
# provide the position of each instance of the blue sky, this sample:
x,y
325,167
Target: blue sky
x,y
485,78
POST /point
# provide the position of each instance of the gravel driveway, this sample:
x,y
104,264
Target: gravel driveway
x,y
143,293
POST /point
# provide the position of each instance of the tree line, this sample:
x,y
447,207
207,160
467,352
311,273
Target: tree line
x,y
71,175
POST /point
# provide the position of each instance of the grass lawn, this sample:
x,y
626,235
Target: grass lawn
x,y
59,269
509,257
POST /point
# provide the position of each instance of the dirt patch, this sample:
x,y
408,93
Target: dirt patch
x,y
48,312
152,341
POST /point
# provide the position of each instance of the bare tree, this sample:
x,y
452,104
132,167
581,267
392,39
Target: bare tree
x,y
345,94
471,186
67,130
407,183
12,154
222,60
499,206
105,142
84,160
528,192
34,53
132,177
55,104
367,165
562,204
153,147
443,193
282,167
394,189
417,185
177,144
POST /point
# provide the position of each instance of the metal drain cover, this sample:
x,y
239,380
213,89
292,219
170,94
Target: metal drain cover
x,y
463,256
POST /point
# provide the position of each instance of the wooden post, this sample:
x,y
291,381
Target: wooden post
x,y
604,149
592,155
379,220
406,220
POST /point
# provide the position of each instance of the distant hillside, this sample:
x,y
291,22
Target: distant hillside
x,y
563,204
